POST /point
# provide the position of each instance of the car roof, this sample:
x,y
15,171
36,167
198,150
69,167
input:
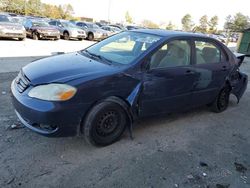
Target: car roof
x,y
168,33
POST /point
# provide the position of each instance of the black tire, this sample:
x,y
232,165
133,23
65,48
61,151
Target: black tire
x,y
221,102
66,35
80,39
104,124
35,36
21,39
90,36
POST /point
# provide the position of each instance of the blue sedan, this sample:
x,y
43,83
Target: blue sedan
x,y
101,90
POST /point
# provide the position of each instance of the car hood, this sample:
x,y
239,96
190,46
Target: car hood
x,y
64,68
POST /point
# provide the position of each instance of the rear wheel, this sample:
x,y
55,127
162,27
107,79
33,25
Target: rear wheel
x,y
21,39
80,39
105,124
66,36
221,102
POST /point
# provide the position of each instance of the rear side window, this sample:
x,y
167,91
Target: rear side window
x,y
207,52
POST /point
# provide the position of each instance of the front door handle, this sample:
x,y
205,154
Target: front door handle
x,y
189,72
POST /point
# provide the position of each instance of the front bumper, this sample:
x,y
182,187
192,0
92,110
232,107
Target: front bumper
x,y
12,34
51,119
49,35
100,36
77,35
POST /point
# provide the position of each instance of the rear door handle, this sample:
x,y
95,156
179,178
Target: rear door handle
x,y
224,68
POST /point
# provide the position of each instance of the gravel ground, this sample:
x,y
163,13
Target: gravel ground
x,y
197,148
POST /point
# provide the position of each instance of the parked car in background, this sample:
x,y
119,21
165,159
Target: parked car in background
x,y
222,38
101,90
38,29
100,24
112,30
93,31
9,29
68,30
121,27
132,27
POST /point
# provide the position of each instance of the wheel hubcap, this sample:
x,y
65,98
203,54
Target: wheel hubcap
x,y
223,99
107,123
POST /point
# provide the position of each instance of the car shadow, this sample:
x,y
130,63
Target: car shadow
x,y
8,39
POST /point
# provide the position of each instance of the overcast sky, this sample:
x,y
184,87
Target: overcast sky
x,y
156,10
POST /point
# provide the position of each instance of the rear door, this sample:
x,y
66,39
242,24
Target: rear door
x,y
211,67
168,84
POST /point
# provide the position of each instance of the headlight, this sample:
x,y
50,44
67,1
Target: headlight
x,y
53,92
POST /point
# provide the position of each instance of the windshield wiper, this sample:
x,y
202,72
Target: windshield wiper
x,y
99,57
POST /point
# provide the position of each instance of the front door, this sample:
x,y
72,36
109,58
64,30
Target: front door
x,y
168,84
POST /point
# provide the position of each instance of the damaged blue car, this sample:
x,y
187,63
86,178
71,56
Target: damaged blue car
x,y
101,90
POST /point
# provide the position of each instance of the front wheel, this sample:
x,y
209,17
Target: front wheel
x,y
66,36
221,102
105,124
35,36
90,36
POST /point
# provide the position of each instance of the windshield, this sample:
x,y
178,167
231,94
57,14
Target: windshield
x,y
123,48
40,24
68,24
4,18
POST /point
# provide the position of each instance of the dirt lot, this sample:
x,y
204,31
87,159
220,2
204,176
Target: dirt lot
x,y
193,149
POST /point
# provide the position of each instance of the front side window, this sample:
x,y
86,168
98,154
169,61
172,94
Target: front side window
x,y
206,53
125,47
173,54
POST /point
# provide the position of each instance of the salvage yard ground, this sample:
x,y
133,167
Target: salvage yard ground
x,y
192,149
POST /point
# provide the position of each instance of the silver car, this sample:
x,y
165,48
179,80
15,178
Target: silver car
x,y
112,30
93,31
11,30
68,30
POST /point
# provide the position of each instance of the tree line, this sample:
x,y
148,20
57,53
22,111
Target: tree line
x,y
37,8
236,23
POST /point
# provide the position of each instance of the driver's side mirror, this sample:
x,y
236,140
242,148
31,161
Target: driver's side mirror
x,y
60,25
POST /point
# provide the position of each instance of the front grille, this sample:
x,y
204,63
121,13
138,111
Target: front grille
x,y
81,32
22,82
16,34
